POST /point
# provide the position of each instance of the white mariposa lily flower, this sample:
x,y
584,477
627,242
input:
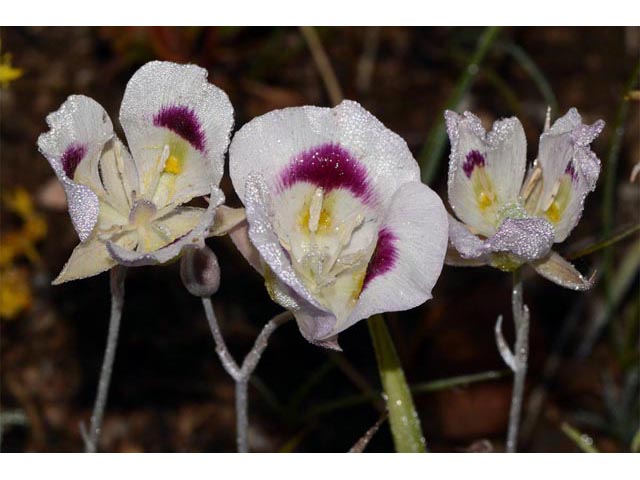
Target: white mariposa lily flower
x,y
343,227
128,208
504,223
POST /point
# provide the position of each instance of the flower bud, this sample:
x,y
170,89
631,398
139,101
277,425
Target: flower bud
x,y
200,271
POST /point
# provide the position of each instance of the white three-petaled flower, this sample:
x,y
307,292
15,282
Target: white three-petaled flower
x,y
506,223
128,207
336,210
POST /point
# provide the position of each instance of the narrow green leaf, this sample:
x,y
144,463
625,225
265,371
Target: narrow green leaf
x,y
403,418
583,441
431,154
610,173
532,69
607,242
635,443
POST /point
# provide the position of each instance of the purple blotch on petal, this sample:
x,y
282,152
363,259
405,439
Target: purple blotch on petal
x,y
384,256
328,166
182,121
571,171
72,157
474,159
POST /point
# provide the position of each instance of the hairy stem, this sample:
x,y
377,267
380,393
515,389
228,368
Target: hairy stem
x,y
91,439
241,375
520,356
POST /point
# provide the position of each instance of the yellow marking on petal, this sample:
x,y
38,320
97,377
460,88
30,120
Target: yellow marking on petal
x,y
484,193
553,212
484,201
559,200
358,283
173,165
324,222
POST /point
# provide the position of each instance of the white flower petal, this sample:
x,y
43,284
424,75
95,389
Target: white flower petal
x,y
345,147
409,255
558,270
454,259
316,325
91,258
497,158
227,219
240,237
264,238
195,237
167,104
78,132
179,222
468,245
569,171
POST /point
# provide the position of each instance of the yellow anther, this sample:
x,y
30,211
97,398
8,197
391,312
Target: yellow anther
x,y
173,165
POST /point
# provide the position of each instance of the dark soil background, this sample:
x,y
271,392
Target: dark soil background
x,y
169,392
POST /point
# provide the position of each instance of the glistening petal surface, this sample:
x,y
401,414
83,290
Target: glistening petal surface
x,y
485,169
78,132
178,127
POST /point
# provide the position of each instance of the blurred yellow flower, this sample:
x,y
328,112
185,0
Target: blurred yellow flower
x,y
15,292
8,73
15,288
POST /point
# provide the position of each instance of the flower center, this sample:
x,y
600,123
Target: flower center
x,y
142,213
330,237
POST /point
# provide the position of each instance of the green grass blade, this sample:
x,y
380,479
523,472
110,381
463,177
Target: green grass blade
x,y
531,68
582,441
611,166
403,417
431,154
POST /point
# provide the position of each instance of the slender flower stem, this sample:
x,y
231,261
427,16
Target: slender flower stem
x,y
91,439
241,375
242,415
228,363
520,356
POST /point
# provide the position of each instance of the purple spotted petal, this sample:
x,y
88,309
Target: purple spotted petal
x,y
384,256
565,151
330,167
182,121
72,157
473,159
